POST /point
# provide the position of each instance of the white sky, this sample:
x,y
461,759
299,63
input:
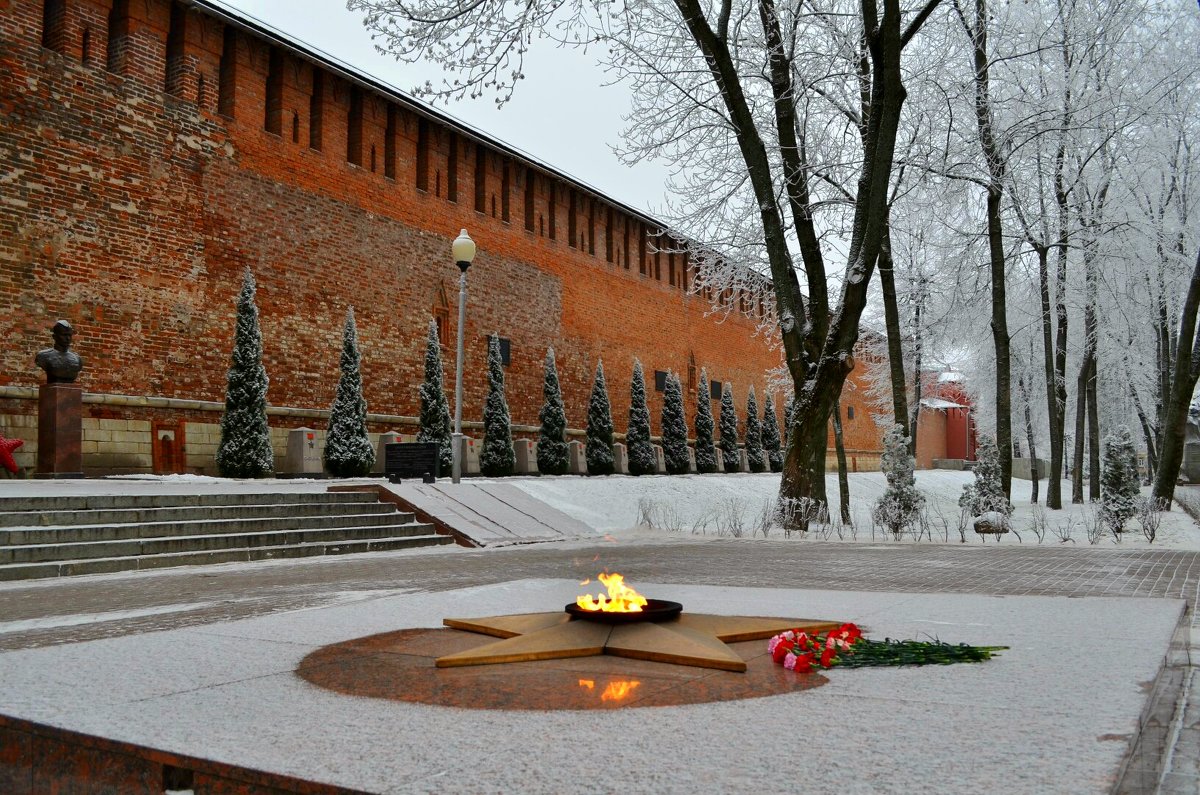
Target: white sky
x,y
561,113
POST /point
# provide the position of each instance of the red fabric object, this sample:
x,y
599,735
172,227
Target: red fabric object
x,y
7,446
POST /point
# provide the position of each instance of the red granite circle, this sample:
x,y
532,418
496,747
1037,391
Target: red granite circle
x,y
399,666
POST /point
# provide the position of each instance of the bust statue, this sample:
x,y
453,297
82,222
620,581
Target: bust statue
x,y
62,365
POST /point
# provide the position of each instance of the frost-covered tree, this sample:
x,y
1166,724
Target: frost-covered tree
x,y
1119,483
754,445
900,503
245,447
772,446
435,409
642,460
674,428
599,450
987,492
348,449
706,453
553,455
497,458
730,454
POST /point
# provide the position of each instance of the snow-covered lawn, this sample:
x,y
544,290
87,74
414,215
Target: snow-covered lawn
x,y
729,504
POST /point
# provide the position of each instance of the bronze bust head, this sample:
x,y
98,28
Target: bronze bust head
x,y
62,365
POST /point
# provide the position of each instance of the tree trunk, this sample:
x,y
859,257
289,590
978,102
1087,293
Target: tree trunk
x,y
843,478
1183,383
895,341
1093,433
1081,414
1033,459
915,416
1054,409
1147,433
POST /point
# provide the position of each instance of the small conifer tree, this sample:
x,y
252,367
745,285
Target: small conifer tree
x,y
245,447
754,445
435,409
497,458
770,435
899,505
642,460
1119,485
986,494
730,455
706,453
553,455
348,450
599,451
674,428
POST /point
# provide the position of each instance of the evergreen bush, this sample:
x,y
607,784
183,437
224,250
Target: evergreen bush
x,y
435,425
986,494
754,444
674,428
900,503
730,456
706,453
1120,489
553,455
497,458
599,452
770,435
245,447
642,460
348,449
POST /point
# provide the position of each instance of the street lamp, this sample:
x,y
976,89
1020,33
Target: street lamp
x,y
463,249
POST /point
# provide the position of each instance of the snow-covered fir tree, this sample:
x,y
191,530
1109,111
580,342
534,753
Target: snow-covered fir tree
x,y
435,409
245,447
642,460
599,452
706,453
348,449
674,428
553,455
770,435
1119,484
497,458
754,444
730,455
986,494
900,503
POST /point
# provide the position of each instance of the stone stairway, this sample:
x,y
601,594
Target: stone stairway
x,y
60,536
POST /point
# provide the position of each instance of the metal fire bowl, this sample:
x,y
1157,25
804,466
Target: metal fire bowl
x,y
655,610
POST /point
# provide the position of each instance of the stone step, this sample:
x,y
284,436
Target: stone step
x,y
122,501
79,551
103,516
28,571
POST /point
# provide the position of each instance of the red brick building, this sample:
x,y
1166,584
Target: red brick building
x,y
151,150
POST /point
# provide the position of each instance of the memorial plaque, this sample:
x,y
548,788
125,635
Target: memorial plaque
x,y
411,460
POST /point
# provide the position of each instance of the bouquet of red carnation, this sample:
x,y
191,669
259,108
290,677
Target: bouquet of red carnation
x,y
798,651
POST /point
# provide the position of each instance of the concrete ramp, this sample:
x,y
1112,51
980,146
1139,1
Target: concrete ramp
x,y
488,514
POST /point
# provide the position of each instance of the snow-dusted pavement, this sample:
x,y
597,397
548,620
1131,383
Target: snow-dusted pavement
x,y
1054,713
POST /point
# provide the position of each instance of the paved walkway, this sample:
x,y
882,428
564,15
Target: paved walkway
x,y
149,601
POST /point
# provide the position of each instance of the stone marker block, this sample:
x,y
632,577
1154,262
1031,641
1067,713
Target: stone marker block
x,y
577,459
303,453
526,454
660,460
691,460
620,459
60,431
743,461
470,455
385,438
720,459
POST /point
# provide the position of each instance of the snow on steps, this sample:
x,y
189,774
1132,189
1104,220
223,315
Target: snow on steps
x,y
60,536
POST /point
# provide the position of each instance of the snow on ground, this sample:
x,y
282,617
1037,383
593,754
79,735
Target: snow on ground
x,y
711,505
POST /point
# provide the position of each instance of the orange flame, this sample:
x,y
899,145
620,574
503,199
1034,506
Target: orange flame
x,y
621,598
619,689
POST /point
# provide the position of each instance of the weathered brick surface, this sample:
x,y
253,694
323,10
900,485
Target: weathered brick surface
x,y
139,183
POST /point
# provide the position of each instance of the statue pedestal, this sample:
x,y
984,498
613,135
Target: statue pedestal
x,y
60,431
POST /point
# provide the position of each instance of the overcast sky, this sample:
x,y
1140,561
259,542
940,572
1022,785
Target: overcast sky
x,y
561,113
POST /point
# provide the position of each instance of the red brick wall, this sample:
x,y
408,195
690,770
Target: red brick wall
x,y
132,212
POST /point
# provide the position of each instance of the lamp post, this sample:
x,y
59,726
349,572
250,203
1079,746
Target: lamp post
x,y
463,249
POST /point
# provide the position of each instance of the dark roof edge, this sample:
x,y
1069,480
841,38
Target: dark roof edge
x,y
260,28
